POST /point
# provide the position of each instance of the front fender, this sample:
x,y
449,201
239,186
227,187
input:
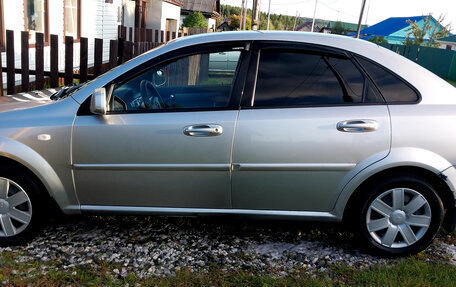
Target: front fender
x,y
33,161
398,157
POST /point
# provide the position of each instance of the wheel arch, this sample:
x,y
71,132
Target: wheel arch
x,y
33,164
436,180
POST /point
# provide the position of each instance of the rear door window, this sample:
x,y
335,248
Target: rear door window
x,y
288,78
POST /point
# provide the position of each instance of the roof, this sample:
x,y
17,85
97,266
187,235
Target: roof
x,y
205,6
175,2
448,39
346,26
307,26
390,26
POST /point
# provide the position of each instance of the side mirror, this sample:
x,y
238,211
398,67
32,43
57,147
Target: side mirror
x,y
98,102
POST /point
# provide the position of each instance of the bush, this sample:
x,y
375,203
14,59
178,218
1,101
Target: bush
x,y
195,20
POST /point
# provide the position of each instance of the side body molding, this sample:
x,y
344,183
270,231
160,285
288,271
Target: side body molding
x,y
398,157
21,153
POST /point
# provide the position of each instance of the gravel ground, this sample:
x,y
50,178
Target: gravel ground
x,y
161,246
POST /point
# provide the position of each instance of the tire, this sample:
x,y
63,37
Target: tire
x,y
400,215
22,206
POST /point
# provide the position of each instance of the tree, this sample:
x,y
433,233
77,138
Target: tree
x,y
338,29
195,20
235,22
417,35
379,40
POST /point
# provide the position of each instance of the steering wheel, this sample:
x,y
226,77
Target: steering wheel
x,y
150,96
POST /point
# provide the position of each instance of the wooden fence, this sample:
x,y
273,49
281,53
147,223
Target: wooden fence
x,y
139,41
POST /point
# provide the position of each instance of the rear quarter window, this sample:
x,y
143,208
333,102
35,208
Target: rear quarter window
x,y
393,89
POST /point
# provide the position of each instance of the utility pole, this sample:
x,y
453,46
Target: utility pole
x,y
315,13
269,15
255,13
296,20
242,15
360,19
245,13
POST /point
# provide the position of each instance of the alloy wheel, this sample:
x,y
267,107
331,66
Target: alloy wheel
x,y
15,208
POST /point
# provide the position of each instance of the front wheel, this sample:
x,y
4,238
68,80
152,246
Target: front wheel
x,y
401,215
20,207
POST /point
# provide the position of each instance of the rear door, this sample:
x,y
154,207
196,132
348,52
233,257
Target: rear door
x,y
309,119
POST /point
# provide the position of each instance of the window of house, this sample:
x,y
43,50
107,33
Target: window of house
x,y
201,81
72,18
36,18
296,78
393,89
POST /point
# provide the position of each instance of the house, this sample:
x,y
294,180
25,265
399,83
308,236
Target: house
x,y
76,18
161,15
348,28
307,27
209,8
396,29
448,43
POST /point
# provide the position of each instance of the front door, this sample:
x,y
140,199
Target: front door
x,y
166,139
312,117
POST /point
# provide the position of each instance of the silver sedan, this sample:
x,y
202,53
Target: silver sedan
x,y
268,124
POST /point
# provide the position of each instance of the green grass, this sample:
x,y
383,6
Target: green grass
x,y
451,82
414,271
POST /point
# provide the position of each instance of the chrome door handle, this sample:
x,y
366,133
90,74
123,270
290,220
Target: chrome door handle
x,y
357,126
203,130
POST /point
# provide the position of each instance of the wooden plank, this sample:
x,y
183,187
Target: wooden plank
x,y
162,36
174,35
168,37
149,33
39,61
137,35
10,77
83,60
128,51
98,56
54,61
143,35
179,34
130,34
68,60
113,45
25,61
123,32
120,51
156,36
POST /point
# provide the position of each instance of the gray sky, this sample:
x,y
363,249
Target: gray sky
x,y
348,10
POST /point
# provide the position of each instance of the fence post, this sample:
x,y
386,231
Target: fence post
x,y
168,37
156,37
83,60
98,62
10,76
137,35
54,61
174,35
162,36
68,60
113,44
39,61
25,61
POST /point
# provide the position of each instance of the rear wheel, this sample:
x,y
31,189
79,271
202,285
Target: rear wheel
x,y
20,207
401,215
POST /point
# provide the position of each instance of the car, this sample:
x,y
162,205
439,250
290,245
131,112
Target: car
x,y
293,125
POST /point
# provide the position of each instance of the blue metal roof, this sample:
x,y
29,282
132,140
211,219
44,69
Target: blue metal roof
x,y
449,39
389,26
